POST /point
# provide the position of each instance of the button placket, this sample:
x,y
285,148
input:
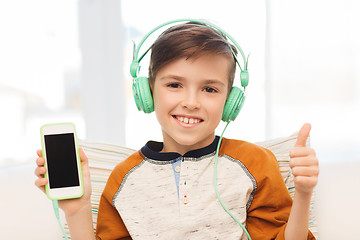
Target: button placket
x,y
184,197
176,166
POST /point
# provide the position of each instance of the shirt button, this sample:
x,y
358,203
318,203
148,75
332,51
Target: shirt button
x,y
185,200
177,169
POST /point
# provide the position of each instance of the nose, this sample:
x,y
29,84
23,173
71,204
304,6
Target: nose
x,y
191,100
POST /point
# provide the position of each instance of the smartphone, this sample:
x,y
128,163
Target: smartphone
x,y
62,161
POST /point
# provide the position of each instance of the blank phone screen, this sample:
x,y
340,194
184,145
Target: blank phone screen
x,y
61,160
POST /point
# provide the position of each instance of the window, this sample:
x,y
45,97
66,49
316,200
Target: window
x,y
69,61
40,73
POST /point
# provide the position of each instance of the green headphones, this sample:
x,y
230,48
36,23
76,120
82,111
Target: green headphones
x,y
141,86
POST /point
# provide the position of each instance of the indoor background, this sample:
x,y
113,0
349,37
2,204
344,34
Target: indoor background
x,y
69,61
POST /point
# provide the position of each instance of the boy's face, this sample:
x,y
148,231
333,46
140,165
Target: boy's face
x,y
189,97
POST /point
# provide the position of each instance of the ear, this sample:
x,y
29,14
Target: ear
x,y
151,84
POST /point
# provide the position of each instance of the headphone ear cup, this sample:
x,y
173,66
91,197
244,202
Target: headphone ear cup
x,y
142,95
233,104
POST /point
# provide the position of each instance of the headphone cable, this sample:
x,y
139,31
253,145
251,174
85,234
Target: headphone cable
x,y
215,184
56,210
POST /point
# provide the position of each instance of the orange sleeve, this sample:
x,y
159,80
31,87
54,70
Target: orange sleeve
x,y
109,223
270,209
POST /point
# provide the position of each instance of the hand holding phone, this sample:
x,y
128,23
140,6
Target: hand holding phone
x,y
78,188
70,207
62,161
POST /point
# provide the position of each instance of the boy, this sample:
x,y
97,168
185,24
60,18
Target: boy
x,y
165,190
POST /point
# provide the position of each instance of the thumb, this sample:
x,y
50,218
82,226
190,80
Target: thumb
x,y
303,135
83,156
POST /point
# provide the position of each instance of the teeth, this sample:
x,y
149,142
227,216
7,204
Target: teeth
x,y
188,120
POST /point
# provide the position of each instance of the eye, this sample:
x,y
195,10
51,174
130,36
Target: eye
x,y
174,85
210,90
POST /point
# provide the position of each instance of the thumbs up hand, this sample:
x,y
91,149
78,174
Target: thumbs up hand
x,y
304,163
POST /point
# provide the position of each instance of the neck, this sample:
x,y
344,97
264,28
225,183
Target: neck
x,y
171,145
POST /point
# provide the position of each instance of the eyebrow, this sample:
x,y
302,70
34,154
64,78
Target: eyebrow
x,y
214,81
179,78
172,76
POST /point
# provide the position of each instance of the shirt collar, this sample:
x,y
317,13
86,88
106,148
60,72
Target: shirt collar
x,y
152,150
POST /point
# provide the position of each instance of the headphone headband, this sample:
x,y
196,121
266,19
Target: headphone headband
x,y
134,68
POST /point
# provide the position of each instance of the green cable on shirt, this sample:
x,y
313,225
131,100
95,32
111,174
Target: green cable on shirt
x,y
215,184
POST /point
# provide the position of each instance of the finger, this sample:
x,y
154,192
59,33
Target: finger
x,y
304,161
305,184
40,172
83,156
303,135
39,153
301,152
40,183
305,171
40,161
84,163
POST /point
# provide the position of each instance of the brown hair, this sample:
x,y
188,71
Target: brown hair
x,y
189,40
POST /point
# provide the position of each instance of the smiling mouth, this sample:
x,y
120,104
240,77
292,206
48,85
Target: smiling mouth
x,y
188,120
